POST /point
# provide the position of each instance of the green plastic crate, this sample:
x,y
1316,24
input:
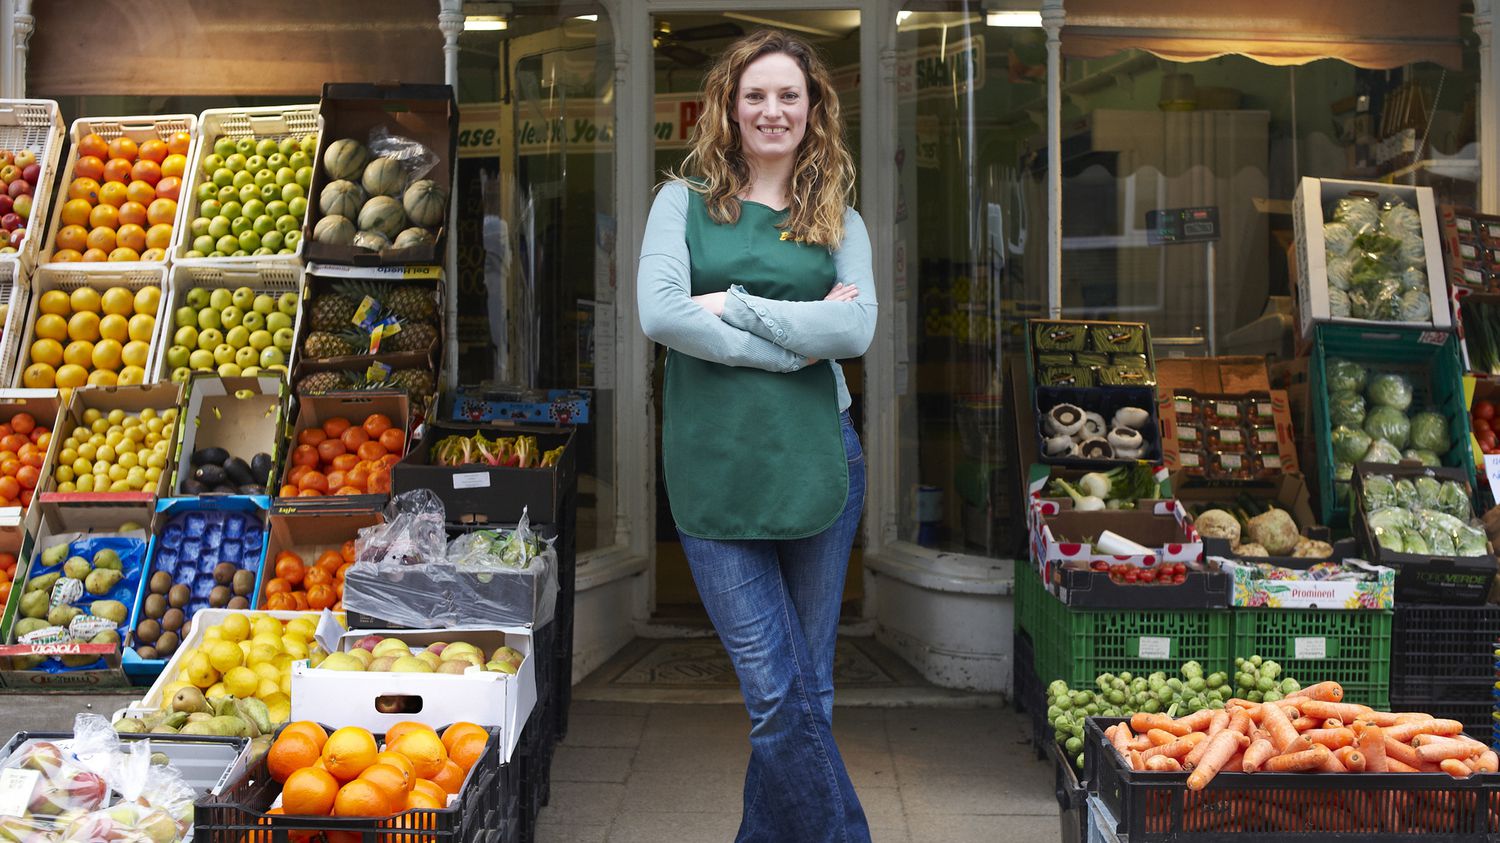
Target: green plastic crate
x,y
1429,358
1076,645
1028,590
1352,648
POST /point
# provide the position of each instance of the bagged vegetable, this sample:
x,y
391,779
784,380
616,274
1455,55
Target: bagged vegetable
x,y
1406,493
1393,517
1380,492
1346,376
1400,220
1423,456
1357,212
1453,499
1338,239
1414,542
1416,306
1338,303
1389,389
1383,451
1429,431
1390,424
1346,408
1350,444
1427,492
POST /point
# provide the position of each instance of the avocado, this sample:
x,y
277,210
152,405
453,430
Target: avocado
x,y
238,471
209,475
252,489
260,468
193,487
209,456
223,489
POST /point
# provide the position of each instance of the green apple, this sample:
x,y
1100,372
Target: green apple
x,y
211,163
271,238
244,179
194,253
276,208
297,207
254,208
212,208
210,338
208,318
249,191
298,160
223,353
239,253
286,175
287,304
263,225
240,225
178,356
224,146
263,304
207,190
263,251
245,146
181,374
226,244
286,223
249,240
235,162
292,239
228,193
255,163
219,226
273,190
220,298
197,298
283,338
238,336
278,320
204,244
185,316
232,209
309,144
229,370
287,146
242,298
199,226
246,356
201,359
264,176
253,321
250,371
186,335
304,176
230,316
266,146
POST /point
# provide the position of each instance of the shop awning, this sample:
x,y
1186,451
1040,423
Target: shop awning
x,y
227,48
1364,33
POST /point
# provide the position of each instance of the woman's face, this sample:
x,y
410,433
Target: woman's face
x,y
770,107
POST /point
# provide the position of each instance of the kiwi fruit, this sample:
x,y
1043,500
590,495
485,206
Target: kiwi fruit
x,y
243,583
172,620
224,572
166,645
179,596
156,606
239,601
161,582
219,596
147,631
147,652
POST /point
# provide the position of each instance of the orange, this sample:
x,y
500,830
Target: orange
x,y
399,761
361,798
179,143
174,165
425,749
424,800
117,170
89,167
458,730
161,211
131,237
105,216
450,778
159,236
76,212
320,597
73,237
308,728
141,191
290,753
396,732
146,171
92,144
170,187
154,150
467,749
309,791
348,752
431,788
133,213
84,188
123,147
102,238
387,778
289,568
114,193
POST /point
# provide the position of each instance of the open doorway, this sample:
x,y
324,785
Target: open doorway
x,y
685,47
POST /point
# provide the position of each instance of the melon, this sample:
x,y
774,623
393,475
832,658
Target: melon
x,y
334,230
345,158
413,237
425,203
372,240
382,214
384,177
342,197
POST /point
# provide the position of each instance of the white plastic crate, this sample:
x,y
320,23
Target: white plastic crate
x,y
15,292
270,278
274,122
36,125
67,278
204,619
137,128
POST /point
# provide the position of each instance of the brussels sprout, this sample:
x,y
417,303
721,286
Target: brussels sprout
x,y
1389,389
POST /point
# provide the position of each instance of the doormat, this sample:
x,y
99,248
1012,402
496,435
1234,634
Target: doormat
x,y
703,663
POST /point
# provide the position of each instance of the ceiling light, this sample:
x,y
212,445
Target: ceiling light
x,y
593,18
902,16
483,23
1011,18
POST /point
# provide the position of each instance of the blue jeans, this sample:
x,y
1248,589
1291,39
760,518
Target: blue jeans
x,y
776,605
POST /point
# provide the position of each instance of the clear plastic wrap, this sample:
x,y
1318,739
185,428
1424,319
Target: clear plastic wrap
x,y
1346,408
413,156
407,575
1390,390
1346,376
1338,239
1340,270
1390,424
1357,212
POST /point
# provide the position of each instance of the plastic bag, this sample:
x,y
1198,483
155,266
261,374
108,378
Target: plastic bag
x,y
1429,432
1346,408
1390,390
1390,424
1346,376
483,578
1338,239
1357,212
1350,444
413,156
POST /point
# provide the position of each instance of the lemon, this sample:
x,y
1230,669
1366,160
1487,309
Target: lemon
x,y
147,299
214,633
84,298
114,327
55,302
261,653
302,627
235,628
118,300
216,690
142,325
282,662
199,671
267,688
280,708
170,690
266,670
241,681
285,682
296,648
84,326
50,326
224,655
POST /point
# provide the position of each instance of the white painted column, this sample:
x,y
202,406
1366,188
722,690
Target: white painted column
x,y
23,25
1489,106
1052,22
878,143
451,22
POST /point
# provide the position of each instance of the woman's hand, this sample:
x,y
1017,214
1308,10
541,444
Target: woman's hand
x,y
711,302
842,292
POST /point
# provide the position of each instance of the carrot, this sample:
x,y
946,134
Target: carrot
x,y
1120,739
1451,728
1235,762
1135,761
1221,748
1275,721
1199,719
1352,759
1161,763
1307,722
1239,721
1488,762
1332,764
1331,738
1405,731
1439,751
1371,745
1307,759
1394,766
1455,768
1219,722
1402,752
1140,743
1323,691
1333,723
1343,711
1381,718
1190,761
1257,755
1175,750
1143,722
1157,737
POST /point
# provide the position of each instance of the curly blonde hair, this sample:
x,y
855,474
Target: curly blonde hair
x,y
823,174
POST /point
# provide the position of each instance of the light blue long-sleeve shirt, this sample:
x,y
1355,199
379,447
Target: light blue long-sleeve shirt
x,y
767,334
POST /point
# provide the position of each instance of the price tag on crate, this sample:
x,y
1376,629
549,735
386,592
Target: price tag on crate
x,y
1310,648
1155,647
16,787
1492,473
472,480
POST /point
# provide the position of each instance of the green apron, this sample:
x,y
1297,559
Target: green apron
x,y
751,454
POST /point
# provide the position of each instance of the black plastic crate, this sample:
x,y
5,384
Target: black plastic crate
x,y
1471,705
1072,798
535,768
1284,807
238,813
1432,646
1030,697
1088,589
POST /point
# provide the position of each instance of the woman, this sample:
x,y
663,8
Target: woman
x,y
756,276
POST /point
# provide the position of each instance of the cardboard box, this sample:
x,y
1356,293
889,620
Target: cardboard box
x,y
313,411
308,534
484,494
207,619
1164,528
1289,493
43,405
319,280
131,399
349,698
1252,591
1281,412
244,416
1040,476
1083,341
427,114
1213,377
1313,194
52,520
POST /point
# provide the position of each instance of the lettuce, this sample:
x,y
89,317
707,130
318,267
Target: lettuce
x,y
1350,444
1388,423
1383,452
1380,492
1429,432
1347,408
1346,376
1390,390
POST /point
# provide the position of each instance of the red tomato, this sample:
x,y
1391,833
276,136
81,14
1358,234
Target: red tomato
x,y
1481,425
1488,440
1484,409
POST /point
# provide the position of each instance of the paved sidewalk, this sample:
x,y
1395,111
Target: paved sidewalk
x,y
673,772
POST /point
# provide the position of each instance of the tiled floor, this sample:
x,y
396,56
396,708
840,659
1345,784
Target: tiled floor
x,y
673,772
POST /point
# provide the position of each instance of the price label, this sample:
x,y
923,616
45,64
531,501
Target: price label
x,y
472,480
1492,473
1155,647
1434,337
16,787
1310,648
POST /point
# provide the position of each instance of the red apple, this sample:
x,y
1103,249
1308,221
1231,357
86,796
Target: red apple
x,y
18,237
19,187
23,206
25,158
6,204
32,173
7,157
9,173
11,221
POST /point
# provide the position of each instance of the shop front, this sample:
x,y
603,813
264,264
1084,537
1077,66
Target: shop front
x,y
1016,160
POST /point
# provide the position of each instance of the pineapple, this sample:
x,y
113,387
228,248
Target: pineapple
x,y
413,336
321,345
410,303
320,382
414,381
333,312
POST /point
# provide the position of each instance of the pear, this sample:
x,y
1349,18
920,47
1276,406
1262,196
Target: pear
x,y
189,700
26,626
391,647
255,710
224,706
364,656
381,665
430,658
43,583
158,825
112,609
199,717
107,558
63,615
34,604
341,661
453,666
80,660
101,580
130,726
77,567
501,667
199,728
106,636
54,555
227,726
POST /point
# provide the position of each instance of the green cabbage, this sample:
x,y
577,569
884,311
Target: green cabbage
x,y
1429,432
1383,451
1350,444
1347,408
1390,424
1425,457
1346,376
1390,390
1380,492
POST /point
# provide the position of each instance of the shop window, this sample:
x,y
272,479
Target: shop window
x,y
536,228
970,247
